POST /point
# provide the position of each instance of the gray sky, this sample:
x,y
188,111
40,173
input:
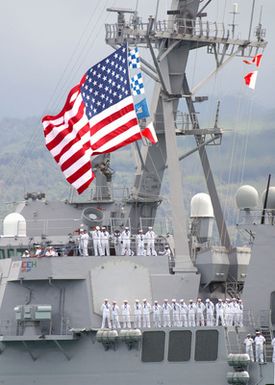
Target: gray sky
x,y
46,46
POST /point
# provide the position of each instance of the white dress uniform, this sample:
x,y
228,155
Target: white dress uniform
x,y
126,242
150,239
228,313
96,235
137,314
183,310
115,316
248,343
140,237
259,347
83,243
156,308
105,309
239,320
166,310
200,313
26,254
175,313
125,313
219,313
273,346
146,309
191,314
209,309
105,245
235,312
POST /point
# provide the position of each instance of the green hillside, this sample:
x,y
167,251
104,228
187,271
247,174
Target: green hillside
x,y
245,156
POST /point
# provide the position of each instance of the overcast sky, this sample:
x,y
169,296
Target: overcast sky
x,y
46,46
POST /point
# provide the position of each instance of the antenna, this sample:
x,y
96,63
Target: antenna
x,y
251,19
234,13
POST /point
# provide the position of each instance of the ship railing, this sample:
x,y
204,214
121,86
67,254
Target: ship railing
x,y
253,217
183,26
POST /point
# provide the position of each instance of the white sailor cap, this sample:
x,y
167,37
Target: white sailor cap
x,y
150,227
173,300
207,300
125,301
27,251
190,300
155,301
144,300
106,300
103,228
199,299
97,228
137,300
126,228
114,301
181,300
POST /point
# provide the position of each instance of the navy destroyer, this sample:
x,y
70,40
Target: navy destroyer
x,y
50,306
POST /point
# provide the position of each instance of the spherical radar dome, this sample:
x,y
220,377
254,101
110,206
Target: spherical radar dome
x,y
247,197
271,198
201,206
14,224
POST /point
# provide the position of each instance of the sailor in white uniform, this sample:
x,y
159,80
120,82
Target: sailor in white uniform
x,y
26,254
259,347
137,314
209,308
125,313
219,312
200,312
183,310
146,309
239,318
248,343
96,235
156,308
166,310
228,313
166,252
235,311
191,314
140,237
115,315
105,238
175,313
150,239
126,242
83,243
105,310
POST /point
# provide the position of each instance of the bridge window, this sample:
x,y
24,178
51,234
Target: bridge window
x,y
206,348
10,253
153,346
2,254
179,345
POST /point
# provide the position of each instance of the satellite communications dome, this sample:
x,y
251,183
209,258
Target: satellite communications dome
x,y
14,224
271,198
201,206
247,197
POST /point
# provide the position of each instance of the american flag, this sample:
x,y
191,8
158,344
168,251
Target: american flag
x,y
98,117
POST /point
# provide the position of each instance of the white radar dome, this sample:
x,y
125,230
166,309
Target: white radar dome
x,y
270,199
201,206
14,224
247,197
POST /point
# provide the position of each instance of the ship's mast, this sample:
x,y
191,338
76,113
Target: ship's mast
x,y
170,42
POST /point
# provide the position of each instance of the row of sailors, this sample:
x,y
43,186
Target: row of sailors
x,y
122,242
39,251
174,314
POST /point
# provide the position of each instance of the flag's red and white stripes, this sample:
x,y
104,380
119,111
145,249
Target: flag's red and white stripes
x,y
250,79
67,137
